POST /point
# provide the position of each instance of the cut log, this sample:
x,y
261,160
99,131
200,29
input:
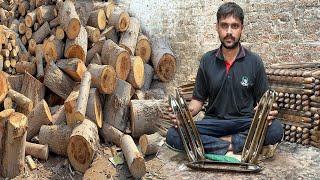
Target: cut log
x,y
32,88
148,75
53,49
143,48
97,19
116,105
39,61
94,107
27,66
14,81
14,145
46,14
74,67
144,115
70,105
96,59
77,47
82,101
38,151
96,48
69,19
163,59
22,101
23,7
57,138
41,33
93,34
101,168
150,144
133,157
108,7
4,87
136,75
8,103
30,18
39,116
83,145
129,38
57,81
59,33
55,22
119,19
103,77
59,116
32,46
110,33
117,57
111,134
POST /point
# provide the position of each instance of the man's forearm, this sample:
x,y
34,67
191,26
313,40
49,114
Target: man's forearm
x,y
195,106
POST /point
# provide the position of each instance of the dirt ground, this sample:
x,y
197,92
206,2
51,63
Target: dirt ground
x,y
292,161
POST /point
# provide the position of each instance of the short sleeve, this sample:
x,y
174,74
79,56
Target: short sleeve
x,y
261,83
200,91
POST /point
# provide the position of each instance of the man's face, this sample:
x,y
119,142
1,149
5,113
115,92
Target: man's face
x,y
229,30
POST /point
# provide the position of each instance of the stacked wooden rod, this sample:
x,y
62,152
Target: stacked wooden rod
x,y
298,88
85,67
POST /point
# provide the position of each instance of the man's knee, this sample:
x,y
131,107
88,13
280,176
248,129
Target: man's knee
x,y
173,139
274,133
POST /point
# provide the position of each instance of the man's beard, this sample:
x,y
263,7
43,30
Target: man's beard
x,y
232,46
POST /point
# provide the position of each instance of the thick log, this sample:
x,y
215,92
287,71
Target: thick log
x,y
83,145
8,103
94,107
96,59
116,105
119,19
69,19
163,59
96,49
39,116
14,145
129,38
74,67
93,34
117,57
150,144
39,151
70,105
97,19
55,22
59,33
32,46
59,116
57,81
57,138
30,18
53,49
23,7
144,123
46,14
32,88
14,82
133,157
4,86
22,101
80,110
103,77
39,61
27,66
136,75
143,48
148,75
41,33
77,47
111,134
110,33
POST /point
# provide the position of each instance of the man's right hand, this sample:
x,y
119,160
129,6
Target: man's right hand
x,y
173,118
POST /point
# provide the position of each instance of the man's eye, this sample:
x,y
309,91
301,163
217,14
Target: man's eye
x,y
224,26
234,26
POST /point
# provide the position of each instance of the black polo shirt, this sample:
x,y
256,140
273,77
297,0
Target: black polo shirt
x,y
233,94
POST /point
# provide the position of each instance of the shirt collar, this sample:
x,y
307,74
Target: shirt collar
x,y
240,54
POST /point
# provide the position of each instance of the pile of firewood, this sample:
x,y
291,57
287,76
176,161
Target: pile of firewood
x,y
72,70
298,87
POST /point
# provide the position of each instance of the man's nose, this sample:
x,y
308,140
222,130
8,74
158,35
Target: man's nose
x,y
229,30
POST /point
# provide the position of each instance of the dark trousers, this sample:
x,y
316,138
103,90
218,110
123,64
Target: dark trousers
x,y
211,129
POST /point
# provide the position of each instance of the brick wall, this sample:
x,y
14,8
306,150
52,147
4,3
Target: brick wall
x,y
278,30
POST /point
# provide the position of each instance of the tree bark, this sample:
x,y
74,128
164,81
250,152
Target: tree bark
x,y
74,67
53,49
94,107
163,59
116,105
14,145
3,86
77,47
69,19
133,157
39,61
129,38
32,88
37,150
93,34
96,48
111,134
148,76
143,48
39,116
57,138
97,19
117,57
59,116
27,66
136,75
22,101
41,33
46,13
103,77
83,145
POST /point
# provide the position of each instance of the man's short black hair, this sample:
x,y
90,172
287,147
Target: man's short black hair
x,y
230,8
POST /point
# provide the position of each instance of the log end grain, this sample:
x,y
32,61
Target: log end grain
x,y
73,28
166,67
123,65
143,49
75,51
124,21
108,80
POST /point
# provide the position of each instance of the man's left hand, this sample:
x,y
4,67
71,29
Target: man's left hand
x,y
273,113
